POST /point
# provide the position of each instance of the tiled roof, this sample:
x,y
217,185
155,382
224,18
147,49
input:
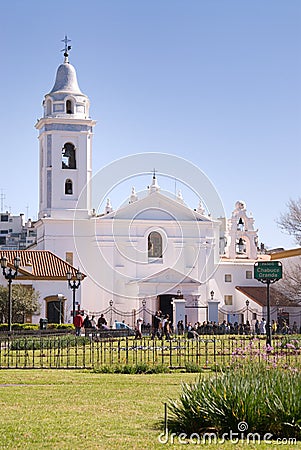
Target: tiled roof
x,y
286,253
259,295
39,265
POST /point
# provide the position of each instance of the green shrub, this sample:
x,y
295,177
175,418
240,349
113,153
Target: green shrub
x,y
60,326
132,368
192,367
26,326
19,326
268,400
158,368
47,342
104,369
66,326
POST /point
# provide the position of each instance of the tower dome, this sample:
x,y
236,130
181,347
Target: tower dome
x,y
66,100
66,80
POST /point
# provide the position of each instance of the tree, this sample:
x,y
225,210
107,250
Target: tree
x,y
25,302
290,284
290,221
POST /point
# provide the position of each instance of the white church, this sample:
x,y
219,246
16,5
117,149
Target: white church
x,y
154,252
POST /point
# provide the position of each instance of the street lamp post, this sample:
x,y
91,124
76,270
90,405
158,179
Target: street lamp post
x,y
247,305
111,317
277,310
60,298
10,276
74,284
143,306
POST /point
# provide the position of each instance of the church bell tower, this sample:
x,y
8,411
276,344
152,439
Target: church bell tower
x,y
65,135
242,238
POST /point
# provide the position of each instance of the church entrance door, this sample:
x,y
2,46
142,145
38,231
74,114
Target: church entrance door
x,y
54,311
165,305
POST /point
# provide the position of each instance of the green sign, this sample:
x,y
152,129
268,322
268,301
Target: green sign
x,y
268,270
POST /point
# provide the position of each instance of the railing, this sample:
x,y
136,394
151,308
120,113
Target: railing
x,y
70,352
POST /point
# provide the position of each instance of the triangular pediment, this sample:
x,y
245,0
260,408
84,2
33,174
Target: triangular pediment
x,y
168,276
156,206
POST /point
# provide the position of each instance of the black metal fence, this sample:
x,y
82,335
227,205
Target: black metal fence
x,y
71,352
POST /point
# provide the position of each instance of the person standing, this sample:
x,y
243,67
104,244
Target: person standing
x,y
274,327
262,326
78,323
180,328
87,322
93,323
138,334
157,325
166,325
101,322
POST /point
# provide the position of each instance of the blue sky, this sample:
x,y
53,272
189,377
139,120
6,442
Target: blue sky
x,y
215,81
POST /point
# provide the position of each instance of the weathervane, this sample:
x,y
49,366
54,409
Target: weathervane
x,y
67,48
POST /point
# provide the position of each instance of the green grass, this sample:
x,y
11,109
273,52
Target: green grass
x,y
58,409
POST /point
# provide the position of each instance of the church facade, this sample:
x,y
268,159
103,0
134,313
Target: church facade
x,y
153,251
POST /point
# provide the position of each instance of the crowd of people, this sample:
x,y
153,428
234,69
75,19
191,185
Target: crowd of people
x,y
87,323
258,328
162,327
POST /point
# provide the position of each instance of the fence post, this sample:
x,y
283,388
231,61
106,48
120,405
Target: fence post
x,y
127,350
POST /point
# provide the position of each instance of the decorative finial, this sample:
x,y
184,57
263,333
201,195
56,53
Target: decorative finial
x,y
67,48
108,207
154,186
201,208
180,196
133,197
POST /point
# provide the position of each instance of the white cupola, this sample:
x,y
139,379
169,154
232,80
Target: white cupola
x,y
66,98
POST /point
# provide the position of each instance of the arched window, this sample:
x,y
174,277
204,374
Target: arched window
x,y
241,246
155,245
240,225
68,156
69,107
68,187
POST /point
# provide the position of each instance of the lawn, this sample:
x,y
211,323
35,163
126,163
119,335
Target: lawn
x,y
58,409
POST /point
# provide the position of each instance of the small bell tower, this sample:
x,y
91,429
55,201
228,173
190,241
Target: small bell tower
x,y
65,136
242,239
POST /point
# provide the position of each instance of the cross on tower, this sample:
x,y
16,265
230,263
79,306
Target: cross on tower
x,y
67,47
